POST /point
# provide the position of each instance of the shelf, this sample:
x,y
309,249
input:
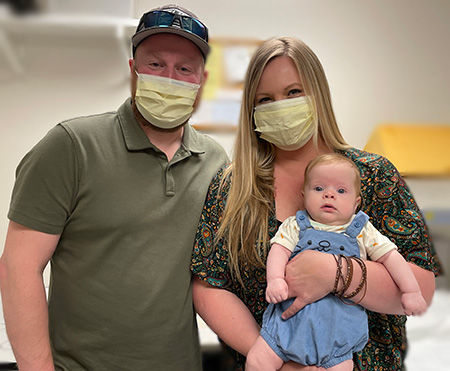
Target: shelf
x,y
215,128
120,29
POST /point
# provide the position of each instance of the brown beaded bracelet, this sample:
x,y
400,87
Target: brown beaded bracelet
x,y
348,277
338,260
362,284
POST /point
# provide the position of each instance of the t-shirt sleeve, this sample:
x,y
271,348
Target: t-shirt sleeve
x,y
375,244
46,184
288,233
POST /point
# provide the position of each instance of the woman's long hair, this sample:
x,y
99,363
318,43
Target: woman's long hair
x,y
251,197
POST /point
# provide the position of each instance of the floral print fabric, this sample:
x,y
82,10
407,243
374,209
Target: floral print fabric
x,y
392,210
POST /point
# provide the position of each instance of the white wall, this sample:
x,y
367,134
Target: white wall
x,y
386,61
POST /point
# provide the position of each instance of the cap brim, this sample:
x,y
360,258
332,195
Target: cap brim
x,y
199,42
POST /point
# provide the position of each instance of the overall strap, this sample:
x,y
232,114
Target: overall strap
x,y
302,220
357,224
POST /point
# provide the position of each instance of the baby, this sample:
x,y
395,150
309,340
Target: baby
x,y
326,333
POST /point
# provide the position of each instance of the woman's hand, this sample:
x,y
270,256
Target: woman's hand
x,y
310,277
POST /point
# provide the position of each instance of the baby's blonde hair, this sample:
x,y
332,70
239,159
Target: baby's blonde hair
x,y
333,158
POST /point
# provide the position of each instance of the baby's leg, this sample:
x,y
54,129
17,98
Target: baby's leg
x,y
343,366
261,357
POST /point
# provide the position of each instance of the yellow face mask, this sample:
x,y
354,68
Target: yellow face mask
x,y
287,123
164,102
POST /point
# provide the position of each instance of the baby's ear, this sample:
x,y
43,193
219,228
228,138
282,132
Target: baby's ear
x,y
358,204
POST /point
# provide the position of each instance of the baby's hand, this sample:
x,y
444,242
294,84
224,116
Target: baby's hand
x,y
413,303
277,291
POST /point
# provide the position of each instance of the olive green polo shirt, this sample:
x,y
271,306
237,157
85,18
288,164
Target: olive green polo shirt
x,y
120,291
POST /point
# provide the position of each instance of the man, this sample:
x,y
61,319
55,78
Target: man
x,y
113,202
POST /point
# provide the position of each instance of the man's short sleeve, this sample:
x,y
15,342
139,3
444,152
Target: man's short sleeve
x,y
46,184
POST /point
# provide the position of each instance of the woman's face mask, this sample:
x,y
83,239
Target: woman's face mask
x,y
287,124
164,102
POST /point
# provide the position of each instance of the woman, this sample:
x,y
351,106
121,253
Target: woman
x,y
248,199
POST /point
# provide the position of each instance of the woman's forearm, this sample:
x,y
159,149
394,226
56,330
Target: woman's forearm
x,y
383,295
226,315
311,275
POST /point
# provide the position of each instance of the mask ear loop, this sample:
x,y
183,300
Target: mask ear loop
x,y
134,68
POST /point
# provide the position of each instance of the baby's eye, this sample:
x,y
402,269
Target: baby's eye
x,y
341,190
318,189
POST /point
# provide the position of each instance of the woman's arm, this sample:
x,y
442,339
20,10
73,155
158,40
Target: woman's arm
x,y
226,315
230,319
310,276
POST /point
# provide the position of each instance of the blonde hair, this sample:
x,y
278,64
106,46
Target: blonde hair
x,y
251,197
333,158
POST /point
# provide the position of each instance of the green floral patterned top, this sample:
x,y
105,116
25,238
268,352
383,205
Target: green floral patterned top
x,y
392,210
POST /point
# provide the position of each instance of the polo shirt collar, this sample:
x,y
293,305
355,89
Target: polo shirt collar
x,y
191,140
136,139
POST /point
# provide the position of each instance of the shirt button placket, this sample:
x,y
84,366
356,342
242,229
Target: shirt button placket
x,y
170,182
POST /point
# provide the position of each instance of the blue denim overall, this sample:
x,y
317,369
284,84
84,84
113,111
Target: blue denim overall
x,y
326,332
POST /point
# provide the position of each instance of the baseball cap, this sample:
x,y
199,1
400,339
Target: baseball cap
x,y
172,19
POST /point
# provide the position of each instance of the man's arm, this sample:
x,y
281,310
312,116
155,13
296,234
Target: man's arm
x,y
24,258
